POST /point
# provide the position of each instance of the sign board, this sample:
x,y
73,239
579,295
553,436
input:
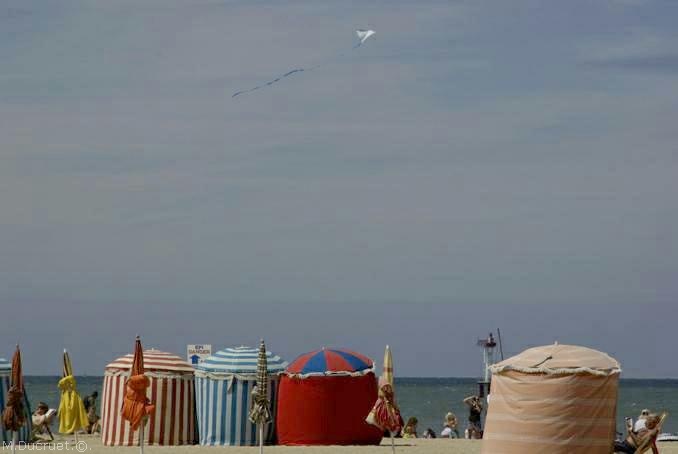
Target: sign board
x,y
196,353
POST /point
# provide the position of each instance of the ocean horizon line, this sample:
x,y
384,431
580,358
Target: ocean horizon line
x,y
422,377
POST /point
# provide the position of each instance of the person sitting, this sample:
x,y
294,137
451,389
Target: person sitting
x,y
429,433
450,426
410,430
638,443
90,403
42,418
640,422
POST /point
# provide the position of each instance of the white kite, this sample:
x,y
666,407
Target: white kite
x,y
363,35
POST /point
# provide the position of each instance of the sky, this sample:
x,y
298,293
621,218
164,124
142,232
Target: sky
x,y
474,165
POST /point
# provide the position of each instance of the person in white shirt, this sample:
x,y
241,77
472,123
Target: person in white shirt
x,y
450,426
641,421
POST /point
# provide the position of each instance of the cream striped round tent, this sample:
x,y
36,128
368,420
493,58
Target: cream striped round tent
x,y
556,399
172,392
224,383
25,432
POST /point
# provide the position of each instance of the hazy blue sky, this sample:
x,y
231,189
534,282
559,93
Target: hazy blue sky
x,y
510,160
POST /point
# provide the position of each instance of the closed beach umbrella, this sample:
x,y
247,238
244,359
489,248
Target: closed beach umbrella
x,y
136,406
72,414
385,414
387,372
261,412
25,432
14,415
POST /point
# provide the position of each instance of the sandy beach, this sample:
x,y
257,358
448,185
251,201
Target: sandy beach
x,y
418,446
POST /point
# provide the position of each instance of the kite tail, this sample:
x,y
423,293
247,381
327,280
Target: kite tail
x,y
269,83
287,74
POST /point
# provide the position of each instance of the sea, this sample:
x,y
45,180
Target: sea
x,y
429,399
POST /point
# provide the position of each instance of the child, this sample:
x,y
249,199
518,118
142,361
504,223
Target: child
x,y
410,430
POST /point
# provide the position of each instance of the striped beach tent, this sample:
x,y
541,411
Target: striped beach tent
x,y
324,398
25,432
172,392
557,399
224,383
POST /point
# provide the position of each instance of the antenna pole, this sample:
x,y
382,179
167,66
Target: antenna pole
x,y
501,349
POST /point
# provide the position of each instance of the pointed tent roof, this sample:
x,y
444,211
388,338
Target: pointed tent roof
x,y
241,360
557,359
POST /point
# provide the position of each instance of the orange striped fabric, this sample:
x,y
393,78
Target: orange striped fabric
x,y
553,413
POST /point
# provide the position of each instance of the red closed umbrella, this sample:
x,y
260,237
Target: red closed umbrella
x,y
13,415
136,406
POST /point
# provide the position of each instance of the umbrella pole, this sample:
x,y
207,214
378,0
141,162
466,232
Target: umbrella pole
x,y
261,439
15,439
141,437
392,442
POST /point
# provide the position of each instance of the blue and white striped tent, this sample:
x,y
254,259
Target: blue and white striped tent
x,y
223,396
25,432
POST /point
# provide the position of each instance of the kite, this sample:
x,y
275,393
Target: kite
x,y
363,36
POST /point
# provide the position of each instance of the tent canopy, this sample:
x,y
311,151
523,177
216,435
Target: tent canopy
x,y
559,359
557,399
154,361
329,361
241,361
172,391
324,398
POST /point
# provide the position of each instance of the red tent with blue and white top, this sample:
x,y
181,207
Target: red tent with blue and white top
x,y
323,398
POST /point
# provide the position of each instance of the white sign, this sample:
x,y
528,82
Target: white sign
x,y
196,353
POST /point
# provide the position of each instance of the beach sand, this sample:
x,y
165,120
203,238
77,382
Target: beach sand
x,y
418,446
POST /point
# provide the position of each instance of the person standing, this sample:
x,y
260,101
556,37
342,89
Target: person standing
x,y
475,409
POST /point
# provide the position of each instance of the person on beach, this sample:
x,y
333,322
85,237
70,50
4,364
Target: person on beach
x,y
450,426
429,433
639,442
42,418
475,408
90,404
641,421
410,430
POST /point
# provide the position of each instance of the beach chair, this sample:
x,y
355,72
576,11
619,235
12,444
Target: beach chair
x,y
651,442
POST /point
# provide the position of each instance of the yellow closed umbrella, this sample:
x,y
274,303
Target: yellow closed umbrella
x,y
387,372
72,414
385,413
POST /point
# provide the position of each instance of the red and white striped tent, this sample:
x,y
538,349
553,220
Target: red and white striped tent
x,y
172,392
